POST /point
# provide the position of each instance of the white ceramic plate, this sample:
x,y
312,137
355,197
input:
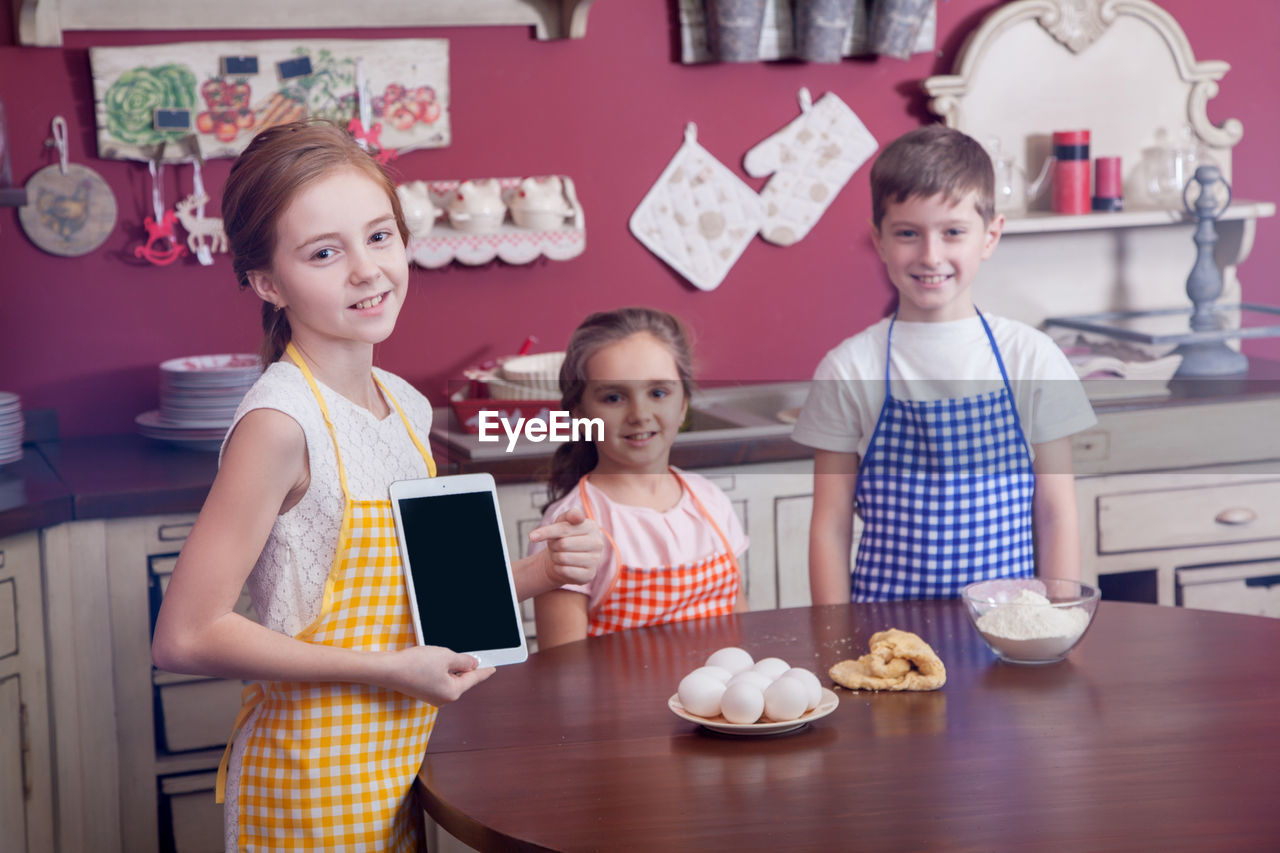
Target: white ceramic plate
x,y
826,705
234,362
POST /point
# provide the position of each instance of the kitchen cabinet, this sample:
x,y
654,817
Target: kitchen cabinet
x,y
42,22
26,777
1177,497
137,748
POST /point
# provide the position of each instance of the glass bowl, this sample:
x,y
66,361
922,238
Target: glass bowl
x,y
1032,620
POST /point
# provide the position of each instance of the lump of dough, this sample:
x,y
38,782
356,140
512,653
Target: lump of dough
x,y
897,660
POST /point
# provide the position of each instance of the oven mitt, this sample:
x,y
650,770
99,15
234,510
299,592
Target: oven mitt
x,y
699,216
898,660
811,159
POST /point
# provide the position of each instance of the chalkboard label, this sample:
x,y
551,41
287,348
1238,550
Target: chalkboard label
x,y
239,66
290,68
171,119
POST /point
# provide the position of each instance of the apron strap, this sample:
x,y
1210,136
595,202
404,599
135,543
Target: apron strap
x,y
292,352
1013,400
413,436
251,697
728,549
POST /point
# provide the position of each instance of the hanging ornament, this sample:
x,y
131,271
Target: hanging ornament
x,y
70,209
161,247
365,131
204,235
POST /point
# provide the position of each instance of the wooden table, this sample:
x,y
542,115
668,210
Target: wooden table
x,y
1161,731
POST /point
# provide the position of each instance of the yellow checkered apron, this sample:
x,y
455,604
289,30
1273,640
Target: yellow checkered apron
x,y
329,766
658,595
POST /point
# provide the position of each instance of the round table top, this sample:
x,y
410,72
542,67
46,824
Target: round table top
x,y
1161,730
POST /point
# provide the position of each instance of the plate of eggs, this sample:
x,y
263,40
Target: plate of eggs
x,y
735,694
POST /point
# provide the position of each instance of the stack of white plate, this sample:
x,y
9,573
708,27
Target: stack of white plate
x,y
198,399
11,427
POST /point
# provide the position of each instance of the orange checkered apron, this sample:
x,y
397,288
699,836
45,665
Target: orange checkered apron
x,y
653,596
329,766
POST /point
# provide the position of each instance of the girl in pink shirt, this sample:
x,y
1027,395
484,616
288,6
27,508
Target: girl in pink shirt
x,y
673,539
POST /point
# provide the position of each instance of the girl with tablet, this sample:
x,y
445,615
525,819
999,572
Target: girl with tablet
x,y
674,539
300,510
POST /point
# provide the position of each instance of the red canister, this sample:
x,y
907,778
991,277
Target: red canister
x,y
1108,184
1071,171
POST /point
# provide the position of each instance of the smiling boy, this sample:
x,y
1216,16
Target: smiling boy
x,y
946,430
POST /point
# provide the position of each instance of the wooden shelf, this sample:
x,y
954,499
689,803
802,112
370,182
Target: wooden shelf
x,y
1047,223
42,22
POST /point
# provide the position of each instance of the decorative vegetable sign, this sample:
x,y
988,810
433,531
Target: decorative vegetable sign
x,y
226,92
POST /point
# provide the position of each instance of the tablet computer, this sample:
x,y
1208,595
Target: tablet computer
x,y
456,567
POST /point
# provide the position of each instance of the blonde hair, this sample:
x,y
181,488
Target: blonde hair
x,y
278,163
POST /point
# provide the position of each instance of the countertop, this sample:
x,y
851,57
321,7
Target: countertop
x,y
118,476
111,476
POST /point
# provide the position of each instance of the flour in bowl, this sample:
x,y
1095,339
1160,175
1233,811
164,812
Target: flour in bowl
x,y
1030,616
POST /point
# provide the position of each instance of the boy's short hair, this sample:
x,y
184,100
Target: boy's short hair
x,y
928,161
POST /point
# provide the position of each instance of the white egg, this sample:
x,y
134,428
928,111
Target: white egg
x,y
785,699
742,703
751,676
813,687
700,694
717,672
731,658
772,667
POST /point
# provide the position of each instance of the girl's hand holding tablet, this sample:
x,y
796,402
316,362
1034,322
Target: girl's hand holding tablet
x,y
432,674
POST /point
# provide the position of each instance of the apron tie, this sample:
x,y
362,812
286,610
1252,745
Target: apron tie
x,y
250,698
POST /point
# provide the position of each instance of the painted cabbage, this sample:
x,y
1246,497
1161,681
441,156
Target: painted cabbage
x,y
132,100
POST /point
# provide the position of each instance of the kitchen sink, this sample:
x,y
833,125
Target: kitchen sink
x,y
744,411
700,420
729,414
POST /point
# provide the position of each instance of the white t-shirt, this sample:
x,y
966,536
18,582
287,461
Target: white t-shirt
x,y
933,361
650,538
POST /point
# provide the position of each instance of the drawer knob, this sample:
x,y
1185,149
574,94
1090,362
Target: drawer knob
x,y
1236,516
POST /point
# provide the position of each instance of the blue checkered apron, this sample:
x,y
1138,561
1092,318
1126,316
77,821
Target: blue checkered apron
x,y
945,492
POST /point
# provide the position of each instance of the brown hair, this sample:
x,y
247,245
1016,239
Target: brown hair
x,y
573,459
928,161
276,165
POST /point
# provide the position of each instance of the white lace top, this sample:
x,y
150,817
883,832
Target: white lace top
x,y
287,583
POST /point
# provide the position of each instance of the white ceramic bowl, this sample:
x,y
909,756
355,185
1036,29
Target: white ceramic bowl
x,y
536,219
538,374
1020,629
473,222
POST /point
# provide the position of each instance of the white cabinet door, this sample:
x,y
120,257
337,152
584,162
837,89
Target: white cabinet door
x,y
521,507
26,776
13,787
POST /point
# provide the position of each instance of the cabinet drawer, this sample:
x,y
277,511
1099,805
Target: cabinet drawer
x,y
1212,514
162,568
8,617
1251,588
195,819
196,713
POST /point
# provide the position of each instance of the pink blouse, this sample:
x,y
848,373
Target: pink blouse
x,y
650,538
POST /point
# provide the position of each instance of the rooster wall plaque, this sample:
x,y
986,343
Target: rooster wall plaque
x,y
70,209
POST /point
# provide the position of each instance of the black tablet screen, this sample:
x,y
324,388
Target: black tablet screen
x,y
459,573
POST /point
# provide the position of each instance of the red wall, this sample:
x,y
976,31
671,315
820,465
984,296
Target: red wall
x,y
84,335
